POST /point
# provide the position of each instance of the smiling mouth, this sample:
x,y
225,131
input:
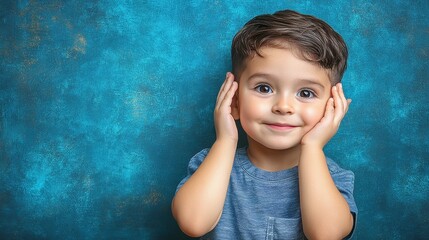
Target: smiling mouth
x,y
280,126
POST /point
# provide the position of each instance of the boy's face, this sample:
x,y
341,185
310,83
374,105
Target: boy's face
x,y
280,98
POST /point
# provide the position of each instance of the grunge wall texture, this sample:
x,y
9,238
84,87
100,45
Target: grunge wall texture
x,y
102,103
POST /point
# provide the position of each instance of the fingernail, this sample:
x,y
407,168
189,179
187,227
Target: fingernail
x,y
227,74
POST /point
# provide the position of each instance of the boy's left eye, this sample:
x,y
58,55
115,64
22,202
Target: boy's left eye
x,y
306,93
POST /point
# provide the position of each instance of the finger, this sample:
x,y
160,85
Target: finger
x,y
229,84
329,110
343,107
224,88
227,100
338,104
343,97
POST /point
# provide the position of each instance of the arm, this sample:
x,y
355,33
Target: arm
x,y
325,212
198,204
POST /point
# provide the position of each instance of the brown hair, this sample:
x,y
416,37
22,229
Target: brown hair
x,y
311,38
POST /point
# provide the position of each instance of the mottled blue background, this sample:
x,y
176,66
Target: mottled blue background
x,y
102,103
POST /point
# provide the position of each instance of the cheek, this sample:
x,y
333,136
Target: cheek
x,y
312,116
249,107
251,111
247,112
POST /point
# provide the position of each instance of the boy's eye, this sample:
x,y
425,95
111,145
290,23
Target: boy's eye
x,y
306,94
263,88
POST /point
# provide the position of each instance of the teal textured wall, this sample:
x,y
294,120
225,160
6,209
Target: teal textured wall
x,y
102,103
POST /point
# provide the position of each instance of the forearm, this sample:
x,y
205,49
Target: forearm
x,y
198,204
325,212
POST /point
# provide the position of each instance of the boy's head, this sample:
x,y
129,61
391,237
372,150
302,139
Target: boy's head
x,y
308,37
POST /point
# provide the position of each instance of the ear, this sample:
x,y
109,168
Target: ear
x,y
235,109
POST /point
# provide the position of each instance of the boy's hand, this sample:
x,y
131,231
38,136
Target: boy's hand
x,y
336,108
223,119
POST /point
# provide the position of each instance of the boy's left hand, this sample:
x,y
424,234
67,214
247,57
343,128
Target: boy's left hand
x,y
336,108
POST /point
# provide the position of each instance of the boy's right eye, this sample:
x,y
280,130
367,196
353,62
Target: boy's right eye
x,y
263,88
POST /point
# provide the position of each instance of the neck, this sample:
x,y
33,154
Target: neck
x,y
273,160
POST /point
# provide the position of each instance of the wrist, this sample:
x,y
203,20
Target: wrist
x,y
311,146
313,142
310,153
227,140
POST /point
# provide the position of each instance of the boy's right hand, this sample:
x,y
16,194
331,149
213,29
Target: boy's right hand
x,y
223,119
198,204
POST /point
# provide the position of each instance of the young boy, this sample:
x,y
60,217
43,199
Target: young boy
x,y
285,90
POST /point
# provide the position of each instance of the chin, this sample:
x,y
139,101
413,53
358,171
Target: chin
x,y
274,143
280,146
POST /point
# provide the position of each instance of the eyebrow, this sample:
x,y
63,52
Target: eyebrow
x,y
269,77
262,75
312,82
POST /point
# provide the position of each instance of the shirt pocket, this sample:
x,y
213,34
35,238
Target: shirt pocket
x,y
284,228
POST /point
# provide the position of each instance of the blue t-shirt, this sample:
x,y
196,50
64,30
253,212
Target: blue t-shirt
x,y
265,205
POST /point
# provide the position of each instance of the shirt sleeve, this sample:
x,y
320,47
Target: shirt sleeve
x,y
193,165
344,180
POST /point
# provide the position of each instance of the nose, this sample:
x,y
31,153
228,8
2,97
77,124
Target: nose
x,y
283,105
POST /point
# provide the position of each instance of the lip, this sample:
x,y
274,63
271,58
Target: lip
x,y
280,126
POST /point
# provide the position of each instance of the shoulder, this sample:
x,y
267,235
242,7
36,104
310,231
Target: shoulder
x,y
336,171
202,154
193,165
334,167
198,158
